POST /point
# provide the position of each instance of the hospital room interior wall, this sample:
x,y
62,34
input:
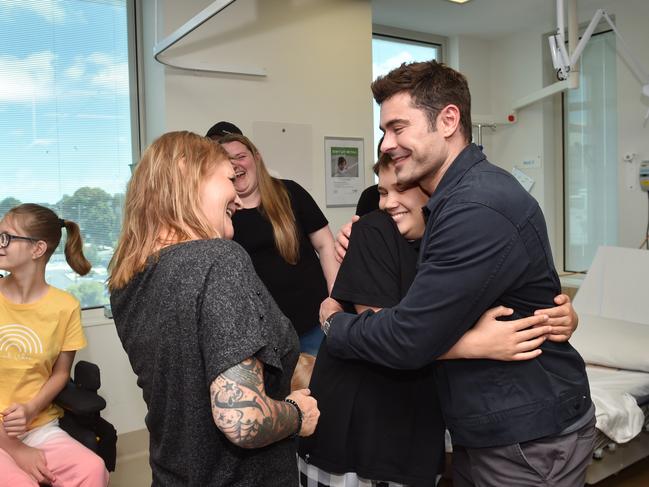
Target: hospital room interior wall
x,y
318,59
632,20
516,67
499,72
472,57
516,70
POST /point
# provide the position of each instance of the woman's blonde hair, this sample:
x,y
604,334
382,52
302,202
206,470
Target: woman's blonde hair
x,y
162,203
43,224
275,204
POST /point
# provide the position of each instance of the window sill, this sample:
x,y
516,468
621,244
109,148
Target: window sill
x,y
94,317
570,284
572,280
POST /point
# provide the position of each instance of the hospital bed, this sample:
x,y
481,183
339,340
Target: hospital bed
x,y
613,339
621,399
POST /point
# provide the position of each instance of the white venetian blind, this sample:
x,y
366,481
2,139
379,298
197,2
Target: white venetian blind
x,y
65,122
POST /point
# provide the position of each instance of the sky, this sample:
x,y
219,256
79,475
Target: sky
x,y
64,99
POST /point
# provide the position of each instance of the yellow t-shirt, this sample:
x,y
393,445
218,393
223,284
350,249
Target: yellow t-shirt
x,y
31,338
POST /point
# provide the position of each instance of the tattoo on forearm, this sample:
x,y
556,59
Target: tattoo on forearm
x,y
244,413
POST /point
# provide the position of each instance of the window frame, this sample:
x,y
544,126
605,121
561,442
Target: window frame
x,y
602,28
412,36
135,66
96,315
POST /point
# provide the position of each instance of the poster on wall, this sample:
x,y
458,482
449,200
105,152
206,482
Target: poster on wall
x,y
344,174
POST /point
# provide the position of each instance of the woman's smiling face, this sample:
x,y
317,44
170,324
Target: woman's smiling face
x,y
245,168
219,200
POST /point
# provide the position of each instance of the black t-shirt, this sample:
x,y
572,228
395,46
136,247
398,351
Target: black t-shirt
x,y
190,315
298,289
368,201
381,423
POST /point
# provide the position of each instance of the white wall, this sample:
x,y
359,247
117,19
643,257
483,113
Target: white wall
x,y
516,70
317,54
632,19
125,408
472,57
512,67
318,58
499,72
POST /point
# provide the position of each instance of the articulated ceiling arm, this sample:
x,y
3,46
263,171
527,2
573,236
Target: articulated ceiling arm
x,y
187,28
563,62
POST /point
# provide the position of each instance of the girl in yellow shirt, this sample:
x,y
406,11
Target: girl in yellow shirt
x,y
40,331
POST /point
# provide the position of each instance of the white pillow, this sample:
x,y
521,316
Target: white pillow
x,y
612,342
614,310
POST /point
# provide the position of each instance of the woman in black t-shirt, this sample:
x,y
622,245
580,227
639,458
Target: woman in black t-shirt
x,y
380,424
287,237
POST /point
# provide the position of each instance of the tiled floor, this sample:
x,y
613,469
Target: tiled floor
x,y
132,472
133,467
636,475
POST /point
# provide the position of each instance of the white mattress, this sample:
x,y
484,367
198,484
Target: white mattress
x,y
613,392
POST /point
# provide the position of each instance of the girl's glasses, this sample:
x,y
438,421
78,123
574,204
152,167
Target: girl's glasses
x,y
5,239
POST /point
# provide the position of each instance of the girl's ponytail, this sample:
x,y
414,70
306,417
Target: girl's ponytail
x,y
74,249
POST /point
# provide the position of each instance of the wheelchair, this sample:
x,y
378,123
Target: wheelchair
x,y
82,420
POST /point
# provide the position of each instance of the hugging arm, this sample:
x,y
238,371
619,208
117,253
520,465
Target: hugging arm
x,y
323,242
513,340
518,339
562,318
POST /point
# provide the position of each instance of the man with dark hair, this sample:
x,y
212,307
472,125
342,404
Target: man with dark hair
x,y
524,423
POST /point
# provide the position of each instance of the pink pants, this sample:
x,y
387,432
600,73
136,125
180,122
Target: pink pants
x,y
72,464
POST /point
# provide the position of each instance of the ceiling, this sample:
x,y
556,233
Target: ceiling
x,y
485,19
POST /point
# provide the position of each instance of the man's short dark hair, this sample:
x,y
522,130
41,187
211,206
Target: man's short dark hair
x,y
432,86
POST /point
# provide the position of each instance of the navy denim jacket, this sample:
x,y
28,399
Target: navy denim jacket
x,y
485,245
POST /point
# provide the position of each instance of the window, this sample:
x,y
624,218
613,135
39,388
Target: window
x,y
389,51
590,155
65,123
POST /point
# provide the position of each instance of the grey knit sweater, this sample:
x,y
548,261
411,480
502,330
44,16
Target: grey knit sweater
x,y
193,313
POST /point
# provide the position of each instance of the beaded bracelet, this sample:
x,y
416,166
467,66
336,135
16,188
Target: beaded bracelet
x,y
299,416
